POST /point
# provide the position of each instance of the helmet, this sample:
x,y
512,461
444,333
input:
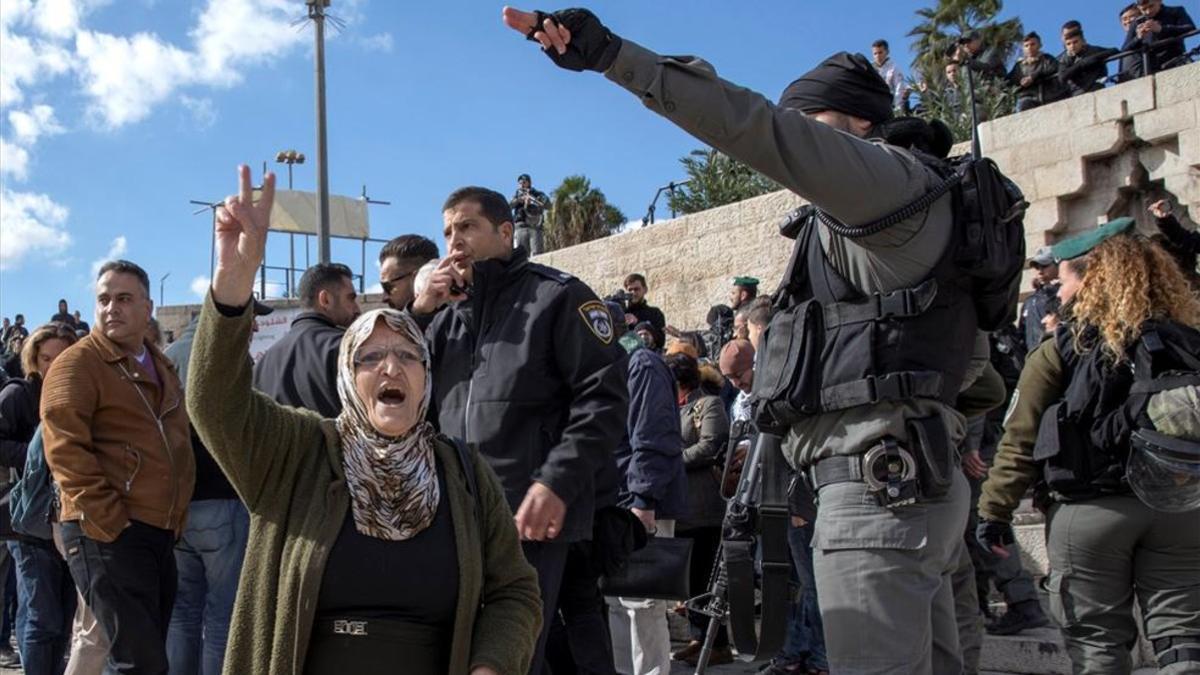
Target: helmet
x,y
1164,471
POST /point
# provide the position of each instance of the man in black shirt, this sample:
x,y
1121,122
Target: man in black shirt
x,y
1035,75
1081,66
635,286
1154,29
527,369
300,369
529,208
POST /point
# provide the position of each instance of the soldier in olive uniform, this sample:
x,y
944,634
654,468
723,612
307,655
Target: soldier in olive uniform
x,y
883,573
1070,429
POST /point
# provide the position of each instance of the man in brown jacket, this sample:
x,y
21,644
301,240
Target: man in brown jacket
x,y
117,442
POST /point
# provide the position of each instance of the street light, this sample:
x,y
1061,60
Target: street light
x,y
289,157
316,13
160,288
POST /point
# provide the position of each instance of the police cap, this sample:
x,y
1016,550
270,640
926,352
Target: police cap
x,y
1082,244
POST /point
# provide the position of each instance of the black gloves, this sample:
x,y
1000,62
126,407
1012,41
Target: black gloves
x,y
991,533
592,46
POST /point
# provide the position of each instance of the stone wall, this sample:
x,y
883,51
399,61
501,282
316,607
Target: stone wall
x,y
1080,162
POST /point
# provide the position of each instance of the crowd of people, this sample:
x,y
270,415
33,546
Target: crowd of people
x,y
1153,42
451,482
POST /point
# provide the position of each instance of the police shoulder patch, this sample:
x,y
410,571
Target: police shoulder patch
x,y
599,321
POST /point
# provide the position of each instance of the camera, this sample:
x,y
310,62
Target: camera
x,y
622,298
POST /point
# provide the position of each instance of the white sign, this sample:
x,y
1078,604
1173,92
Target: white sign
x,y
270,328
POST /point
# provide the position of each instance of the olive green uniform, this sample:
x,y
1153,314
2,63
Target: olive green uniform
x,y
1103,552
874,623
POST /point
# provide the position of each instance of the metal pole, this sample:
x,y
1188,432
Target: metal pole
x,y
975,150
362,280
316,12
160,288
292,248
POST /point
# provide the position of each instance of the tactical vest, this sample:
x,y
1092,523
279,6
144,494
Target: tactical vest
x,y
1080,457
1084,441
832,347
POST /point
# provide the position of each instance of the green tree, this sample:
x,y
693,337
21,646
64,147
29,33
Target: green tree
x,y
579,213
935,35
716,179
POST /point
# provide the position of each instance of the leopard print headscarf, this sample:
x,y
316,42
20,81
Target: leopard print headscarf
x,y
393,482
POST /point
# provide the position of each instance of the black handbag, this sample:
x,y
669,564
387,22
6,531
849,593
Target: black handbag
x,y
660,570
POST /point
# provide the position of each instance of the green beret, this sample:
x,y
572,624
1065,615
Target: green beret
x,y
745,281
1081,244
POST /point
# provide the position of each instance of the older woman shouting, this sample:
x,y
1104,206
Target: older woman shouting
x,y
376,546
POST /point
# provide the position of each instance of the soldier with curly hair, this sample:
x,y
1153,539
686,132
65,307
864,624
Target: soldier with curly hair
x,y
1075,428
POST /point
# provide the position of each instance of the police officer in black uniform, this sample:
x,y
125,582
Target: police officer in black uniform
x,y
526,369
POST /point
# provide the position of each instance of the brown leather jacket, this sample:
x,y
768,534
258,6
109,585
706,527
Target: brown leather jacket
x,y
117,442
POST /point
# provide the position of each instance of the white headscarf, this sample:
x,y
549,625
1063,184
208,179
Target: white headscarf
x,y
393,482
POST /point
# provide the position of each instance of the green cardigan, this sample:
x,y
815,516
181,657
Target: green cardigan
x,y
286,465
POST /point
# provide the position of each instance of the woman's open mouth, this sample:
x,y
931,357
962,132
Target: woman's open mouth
x,y
392,396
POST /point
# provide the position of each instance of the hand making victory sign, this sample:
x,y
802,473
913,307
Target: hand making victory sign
x,y
241,234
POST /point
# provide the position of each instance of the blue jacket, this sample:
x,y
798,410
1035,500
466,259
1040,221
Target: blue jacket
x,y
650,456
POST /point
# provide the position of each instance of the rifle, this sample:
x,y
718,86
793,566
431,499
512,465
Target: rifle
x,y
759,504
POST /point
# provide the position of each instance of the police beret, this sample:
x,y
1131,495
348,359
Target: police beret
x,y
1081,244
745,281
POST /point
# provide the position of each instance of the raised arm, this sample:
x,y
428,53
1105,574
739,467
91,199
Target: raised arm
x,y
258,443
808,157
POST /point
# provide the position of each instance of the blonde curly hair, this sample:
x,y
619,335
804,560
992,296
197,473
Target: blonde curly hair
x,y
1128,280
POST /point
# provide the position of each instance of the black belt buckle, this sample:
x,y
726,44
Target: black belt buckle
x,y
890,471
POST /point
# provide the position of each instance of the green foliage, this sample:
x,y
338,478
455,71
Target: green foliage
x,y
716,179
935,34
579,213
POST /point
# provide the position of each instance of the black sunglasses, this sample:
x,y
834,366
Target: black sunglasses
x,y
391,283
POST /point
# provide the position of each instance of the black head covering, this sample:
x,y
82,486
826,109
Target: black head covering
x,y
844,82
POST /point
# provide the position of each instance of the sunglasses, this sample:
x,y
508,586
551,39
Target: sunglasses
x,y
391,283
374,357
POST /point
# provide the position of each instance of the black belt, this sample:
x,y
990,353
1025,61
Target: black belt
x,y
888,469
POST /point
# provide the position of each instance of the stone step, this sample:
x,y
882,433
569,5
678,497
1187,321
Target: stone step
x,y
1035,652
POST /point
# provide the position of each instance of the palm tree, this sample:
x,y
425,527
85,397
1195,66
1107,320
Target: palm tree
x,y
936,34
716,179
579,213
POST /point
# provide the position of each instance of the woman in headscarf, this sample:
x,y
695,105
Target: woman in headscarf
x,y
45,592
376,545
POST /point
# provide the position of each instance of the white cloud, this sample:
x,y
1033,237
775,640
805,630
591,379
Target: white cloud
x,y
32,223
116,249
200,286
381,42
57,18
203,113
127,76
27,62
29,125
374,289
14,160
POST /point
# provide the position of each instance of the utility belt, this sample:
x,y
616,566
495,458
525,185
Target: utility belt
x,y
896,474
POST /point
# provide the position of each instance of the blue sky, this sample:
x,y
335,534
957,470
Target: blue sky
x,y
116,112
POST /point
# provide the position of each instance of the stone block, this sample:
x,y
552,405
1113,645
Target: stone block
x,y
1060,180
1189,145
1124,100
1162,123
1177,85
1044,122
1042,216
1105,138
1032,541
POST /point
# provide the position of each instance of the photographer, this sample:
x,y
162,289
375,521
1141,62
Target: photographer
x,y
1157,25
881,567
635,303
529,207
